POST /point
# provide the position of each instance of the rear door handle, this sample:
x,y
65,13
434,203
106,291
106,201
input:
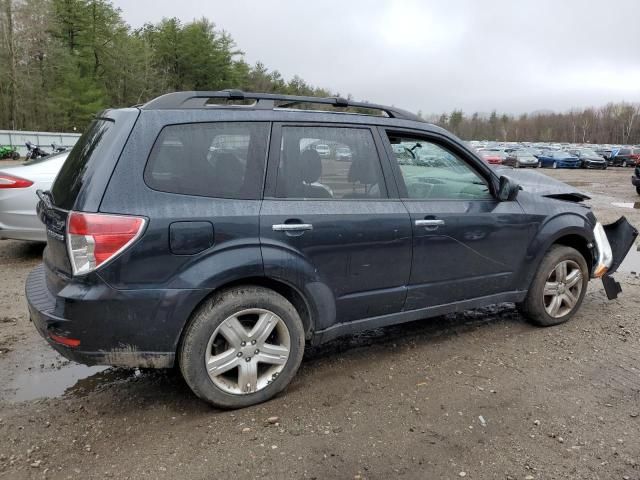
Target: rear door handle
x,y
429,223
292,227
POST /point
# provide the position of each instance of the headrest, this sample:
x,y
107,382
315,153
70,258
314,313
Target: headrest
x,y
363,171
311,166
229,172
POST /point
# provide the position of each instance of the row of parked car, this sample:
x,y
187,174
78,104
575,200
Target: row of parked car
x,y
558,156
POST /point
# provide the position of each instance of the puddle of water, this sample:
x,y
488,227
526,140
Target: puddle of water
x,y
631,263
635,205
35,371
48,383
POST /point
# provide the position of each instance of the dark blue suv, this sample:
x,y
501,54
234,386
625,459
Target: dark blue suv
x,y
221,231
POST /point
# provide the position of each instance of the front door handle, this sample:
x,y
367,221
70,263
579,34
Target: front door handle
x,y
429,223
292,227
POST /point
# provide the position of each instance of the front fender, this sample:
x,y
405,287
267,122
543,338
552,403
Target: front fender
x,y
552,230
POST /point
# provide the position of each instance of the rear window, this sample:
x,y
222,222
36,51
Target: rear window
x,y
222,160
75,169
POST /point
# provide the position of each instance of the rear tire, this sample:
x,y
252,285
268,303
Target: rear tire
x,y
555,165
250,338
556,293
638,190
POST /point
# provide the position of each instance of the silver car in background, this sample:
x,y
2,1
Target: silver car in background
x,y
522,157
18,199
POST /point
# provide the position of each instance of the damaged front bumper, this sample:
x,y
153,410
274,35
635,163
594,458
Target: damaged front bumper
x,y
612,243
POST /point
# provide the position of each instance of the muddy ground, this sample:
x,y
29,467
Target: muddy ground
x,y
477,395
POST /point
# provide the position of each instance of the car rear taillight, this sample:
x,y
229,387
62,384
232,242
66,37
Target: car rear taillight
x,y
11,181
94,239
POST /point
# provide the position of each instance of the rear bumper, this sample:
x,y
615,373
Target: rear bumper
x,y
29,235
20,225
137,328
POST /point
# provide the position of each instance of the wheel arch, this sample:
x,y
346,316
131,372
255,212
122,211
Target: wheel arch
x,y
570,230
302,305
579,243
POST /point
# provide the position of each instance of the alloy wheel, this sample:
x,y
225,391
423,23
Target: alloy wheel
x,y
247,351
562,289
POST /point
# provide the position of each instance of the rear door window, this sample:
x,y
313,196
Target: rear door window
x,y
329,163
222,160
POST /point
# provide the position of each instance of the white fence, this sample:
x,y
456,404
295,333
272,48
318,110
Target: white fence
x,y
17,138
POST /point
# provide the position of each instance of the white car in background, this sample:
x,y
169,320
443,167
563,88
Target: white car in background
x,y
18,199
323,150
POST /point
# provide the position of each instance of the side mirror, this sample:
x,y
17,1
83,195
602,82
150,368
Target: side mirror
x,y
508,190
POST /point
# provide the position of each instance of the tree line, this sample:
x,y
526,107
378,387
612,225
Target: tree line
x,y
615,123
61,61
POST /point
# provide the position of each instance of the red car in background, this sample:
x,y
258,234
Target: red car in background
x,y
493,156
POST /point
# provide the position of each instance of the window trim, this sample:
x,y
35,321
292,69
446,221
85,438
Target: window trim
x,y
461,152
265,154
273,163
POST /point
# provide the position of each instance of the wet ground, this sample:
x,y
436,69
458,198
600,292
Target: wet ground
x,y
481,393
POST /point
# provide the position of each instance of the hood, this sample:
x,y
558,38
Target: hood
x,y
538,183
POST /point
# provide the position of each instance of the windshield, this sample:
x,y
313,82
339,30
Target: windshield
x,y
588,153
493,153
524,152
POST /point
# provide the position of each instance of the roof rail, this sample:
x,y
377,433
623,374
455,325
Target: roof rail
x,y
195,99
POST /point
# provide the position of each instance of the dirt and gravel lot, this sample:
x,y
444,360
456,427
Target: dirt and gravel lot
x,y
477,395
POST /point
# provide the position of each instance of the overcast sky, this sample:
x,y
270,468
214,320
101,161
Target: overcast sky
x,y
434,56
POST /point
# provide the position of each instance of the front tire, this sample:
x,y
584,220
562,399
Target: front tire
x,y
555,165
242,347
638,190
558,288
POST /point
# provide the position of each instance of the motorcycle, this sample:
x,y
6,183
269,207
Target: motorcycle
x,y
34,151
58,149
7,151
